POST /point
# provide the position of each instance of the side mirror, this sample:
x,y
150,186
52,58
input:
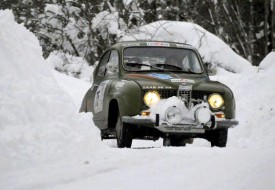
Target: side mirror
x,y
112,67
211,69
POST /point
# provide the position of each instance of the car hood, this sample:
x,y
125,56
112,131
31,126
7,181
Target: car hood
x,y
157,81
167,80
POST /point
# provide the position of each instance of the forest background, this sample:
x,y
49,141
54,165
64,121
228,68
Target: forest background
x,y
85,28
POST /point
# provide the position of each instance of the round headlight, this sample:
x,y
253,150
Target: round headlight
x,y
215,101
173,115
203,115
151,98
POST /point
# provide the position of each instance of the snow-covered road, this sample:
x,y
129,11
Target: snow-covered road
x,y
47,145
152,168
244,164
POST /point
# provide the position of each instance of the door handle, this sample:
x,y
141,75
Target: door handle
x,y
95,85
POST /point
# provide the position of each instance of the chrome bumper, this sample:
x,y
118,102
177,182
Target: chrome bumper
x,y
180,128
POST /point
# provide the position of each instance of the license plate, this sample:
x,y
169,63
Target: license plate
x,y
182,129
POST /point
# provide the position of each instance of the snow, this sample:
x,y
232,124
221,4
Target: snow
x,y
53,8
268,62
106,21
186,115
71,65
38,120
127,2
211,48
46,144
161,107
254,94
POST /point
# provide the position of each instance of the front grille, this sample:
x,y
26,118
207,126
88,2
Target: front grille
x,y
186,95
167,93
199,95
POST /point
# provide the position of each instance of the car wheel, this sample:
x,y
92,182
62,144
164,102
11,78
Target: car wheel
x,y
123,134
218,137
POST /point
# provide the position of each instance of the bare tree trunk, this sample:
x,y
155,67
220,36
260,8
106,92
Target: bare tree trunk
x,y
273,25
178,12
266,26
241,34
213,15
251,32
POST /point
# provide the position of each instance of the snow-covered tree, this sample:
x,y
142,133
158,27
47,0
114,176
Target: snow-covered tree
x,y
87,27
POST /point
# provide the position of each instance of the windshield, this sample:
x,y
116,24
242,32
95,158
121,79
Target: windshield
x,y
161,59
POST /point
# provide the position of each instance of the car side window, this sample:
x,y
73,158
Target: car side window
x,y
112,65
194,63
186,63
102,64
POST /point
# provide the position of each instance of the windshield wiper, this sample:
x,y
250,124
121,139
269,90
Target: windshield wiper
x,y
179,69
169,65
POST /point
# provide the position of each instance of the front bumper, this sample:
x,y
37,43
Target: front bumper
x,y
180,128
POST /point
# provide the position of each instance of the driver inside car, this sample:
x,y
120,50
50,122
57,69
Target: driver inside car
x,y
173,61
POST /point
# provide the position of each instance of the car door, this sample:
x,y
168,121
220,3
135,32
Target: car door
x,y
107,73
98,77
97,97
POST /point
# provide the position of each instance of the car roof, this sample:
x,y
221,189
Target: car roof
x,y
120,45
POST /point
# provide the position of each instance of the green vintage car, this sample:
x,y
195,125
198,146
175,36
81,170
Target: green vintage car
x,y
151,90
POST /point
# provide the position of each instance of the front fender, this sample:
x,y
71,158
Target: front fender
x,y
229,100
128,96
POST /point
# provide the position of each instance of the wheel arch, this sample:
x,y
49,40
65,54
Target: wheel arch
x,y
113,112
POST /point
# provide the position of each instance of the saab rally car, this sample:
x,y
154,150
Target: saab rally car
x,y
151,90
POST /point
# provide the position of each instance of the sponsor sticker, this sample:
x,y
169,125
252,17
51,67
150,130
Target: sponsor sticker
x,y
160,76
158,44
99,96
183,80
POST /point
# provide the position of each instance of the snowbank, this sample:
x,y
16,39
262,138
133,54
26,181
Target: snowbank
x,y
211,48
268,62
38,121
255,108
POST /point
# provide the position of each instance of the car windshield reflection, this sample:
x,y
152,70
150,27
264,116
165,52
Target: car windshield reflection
x,y
161,59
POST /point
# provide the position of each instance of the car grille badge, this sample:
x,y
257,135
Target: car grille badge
x,y
185,94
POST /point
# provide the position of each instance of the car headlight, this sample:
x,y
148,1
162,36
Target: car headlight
x,y
215,101
151,98
203,115
173,115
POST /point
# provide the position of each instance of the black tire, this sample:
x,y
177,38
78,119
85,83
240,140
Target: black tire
x,y
218,137
123,134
